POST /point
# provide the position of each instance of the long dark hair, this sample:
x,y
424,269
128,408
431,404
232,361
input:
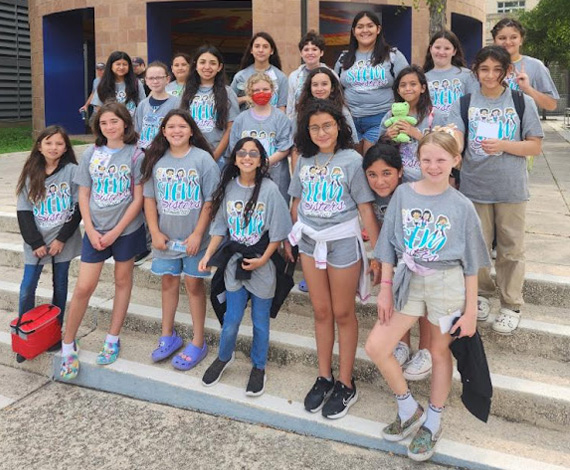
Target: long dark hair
x,y
120,110
248,59
220,92
306,96
35,166
424,105
458,60
158,147
305,145
231,171
381,51
496,53
106,88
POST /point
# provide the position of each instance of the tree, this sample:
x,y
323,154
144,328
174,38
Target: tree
x,y
548,31
437,14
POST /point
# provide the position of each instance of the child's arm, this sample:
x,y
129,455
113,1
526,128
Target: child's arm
x,y
286,245
93,235
195,239
385,299
66,231
159,239
30,233
132,211
542,100
278,156
530,146
249,264
406,127
212,247
371,225
468,321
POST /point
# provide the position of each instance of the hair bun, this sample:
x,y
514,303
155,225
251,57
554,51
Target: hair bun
x,y
448,129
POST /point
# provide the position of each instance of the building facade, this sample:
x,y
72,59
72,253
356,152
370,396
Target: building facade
x,y
69,36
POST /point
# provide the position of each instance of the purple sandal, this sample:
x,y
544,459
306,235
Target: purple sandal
x,y
190,357
167,346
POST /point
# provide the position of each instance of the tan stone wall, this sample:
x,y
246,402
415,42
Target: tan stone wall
x,y
121,25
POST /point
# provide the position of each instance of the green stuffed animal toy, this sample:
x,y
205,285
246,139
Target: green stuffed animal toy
x,y
400,113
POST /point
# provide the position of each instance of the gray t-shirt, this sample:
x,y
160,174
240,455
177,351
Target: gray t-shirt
x,y
271,215
274,133
52,212
330,194
380,205
148,118
180,187
110,176
368,88
175,89
502,177
203,111
121,96
409,151
447,86
538,74
279,98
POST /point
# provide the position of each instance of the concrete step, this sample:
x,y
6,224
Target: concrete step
x,y
467,443
539,395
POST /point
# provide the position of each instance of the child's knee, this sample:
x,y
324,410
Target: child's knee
x,y
375,350
344,317
84,290
322,313
195,287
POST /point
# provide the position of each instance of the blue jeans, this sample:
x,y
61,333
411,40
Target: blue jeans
x,y
260,308
30,283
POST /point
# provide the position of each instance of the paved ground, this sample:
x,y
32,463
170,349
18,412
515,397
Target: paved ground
x,y
55,426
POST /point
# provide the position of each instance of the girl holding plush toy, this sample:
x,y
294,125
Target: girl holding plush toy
x,y
412,114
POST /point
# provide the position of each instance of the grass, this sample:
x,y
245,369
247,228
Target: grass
x,y
19,139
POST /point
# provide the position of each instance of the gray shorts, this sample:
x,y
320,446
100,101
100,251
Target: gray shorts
x,y
340,253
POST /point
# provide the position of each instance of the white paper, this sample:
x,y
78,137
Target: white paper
x,y
488,130
445,323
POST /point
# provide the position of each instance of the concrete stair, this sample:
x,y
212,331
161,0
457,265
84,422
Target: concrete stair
x,y
530,371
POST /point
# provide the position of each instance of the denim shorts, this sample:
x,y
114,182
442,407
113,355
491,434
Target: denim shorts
x,y
368,127
175,267
124,248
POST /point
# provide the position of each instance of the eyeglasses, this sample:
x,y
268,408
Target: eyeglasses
x,y
244,153
155,79
326,127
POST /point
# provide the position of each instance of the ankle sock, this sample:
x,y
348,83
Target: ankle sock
x,y
112,339
433,419
407,406
67,349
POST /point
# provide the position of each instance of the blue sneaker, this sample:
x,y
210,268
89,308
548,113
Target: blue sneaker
x,y
167,346
109,353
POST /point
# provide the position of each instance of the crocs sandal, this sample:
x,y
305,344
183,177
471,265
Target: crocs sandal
x,y
109,353
303,286
70,364
190,357
167,346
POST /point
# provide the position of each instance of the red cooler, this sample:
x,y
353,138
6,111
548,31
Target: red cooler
x,y
36,332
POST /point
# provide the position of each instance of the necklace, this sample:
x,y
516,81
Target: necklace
x,y
320,167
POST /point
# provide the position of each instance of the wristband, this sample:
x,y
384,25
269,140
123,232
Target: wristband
x,y
386,282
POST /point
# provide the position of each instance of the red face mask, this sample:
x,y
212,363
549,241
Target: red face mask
x,y
261,98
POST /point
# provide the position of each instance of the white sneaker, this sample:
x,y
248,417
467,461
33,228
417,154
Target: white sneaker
x,y
506,322
483,308
419,366
402,353
494,254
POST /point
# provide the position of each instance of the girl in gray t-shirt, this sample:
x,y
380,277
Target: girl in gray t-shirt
x,y
48,215
212,104
329,191
179,176
247,206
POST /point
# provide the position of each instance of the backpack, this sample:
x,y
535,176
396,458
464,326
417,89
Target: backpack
x,y
465,101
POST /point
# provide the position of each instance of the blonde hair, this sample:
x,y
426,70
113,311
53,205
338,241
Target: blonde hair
x,y
442,138
259,77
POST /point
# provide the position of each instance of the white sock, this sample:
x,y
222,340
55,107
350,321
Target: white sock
x,y
67,349
433,419
407,406
112,339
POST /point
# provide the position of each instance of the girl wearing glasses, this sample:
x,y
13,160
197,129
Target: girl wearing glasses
x,y
179,177
248,208
152,110
329,191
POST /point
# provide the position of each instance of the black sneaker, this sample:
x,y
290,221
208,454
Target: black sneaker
x,y
317,396
214,373
256,384
141,258
341,400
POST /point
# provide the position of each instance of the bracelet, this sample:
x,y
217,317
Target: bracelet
x,y
386,282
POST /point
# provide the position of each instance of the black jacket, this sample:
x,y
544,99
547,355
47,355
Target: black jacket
x,y
472,365
220,260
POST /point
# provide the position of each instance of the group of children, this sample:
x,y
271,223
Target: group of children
x,y
217,187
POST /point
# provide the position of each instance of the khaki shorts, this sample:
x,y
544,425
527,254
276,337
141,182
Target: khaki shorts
x,y
438,294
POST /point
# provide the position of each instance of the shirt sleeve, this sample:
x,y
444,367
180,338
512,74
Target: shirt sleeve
x,y
531,120
82,175
235,133
400,62
291,94
233,105
210,179
358,187
383,128
384,250
295,189
219,225
543,81
148,188
284,136
137,174
476,255
96,101
238,79
142,94
455,116
283,89
279,220
139,118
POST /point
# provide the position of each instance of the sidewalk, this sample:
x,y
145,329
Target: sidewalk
x,y
548,212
